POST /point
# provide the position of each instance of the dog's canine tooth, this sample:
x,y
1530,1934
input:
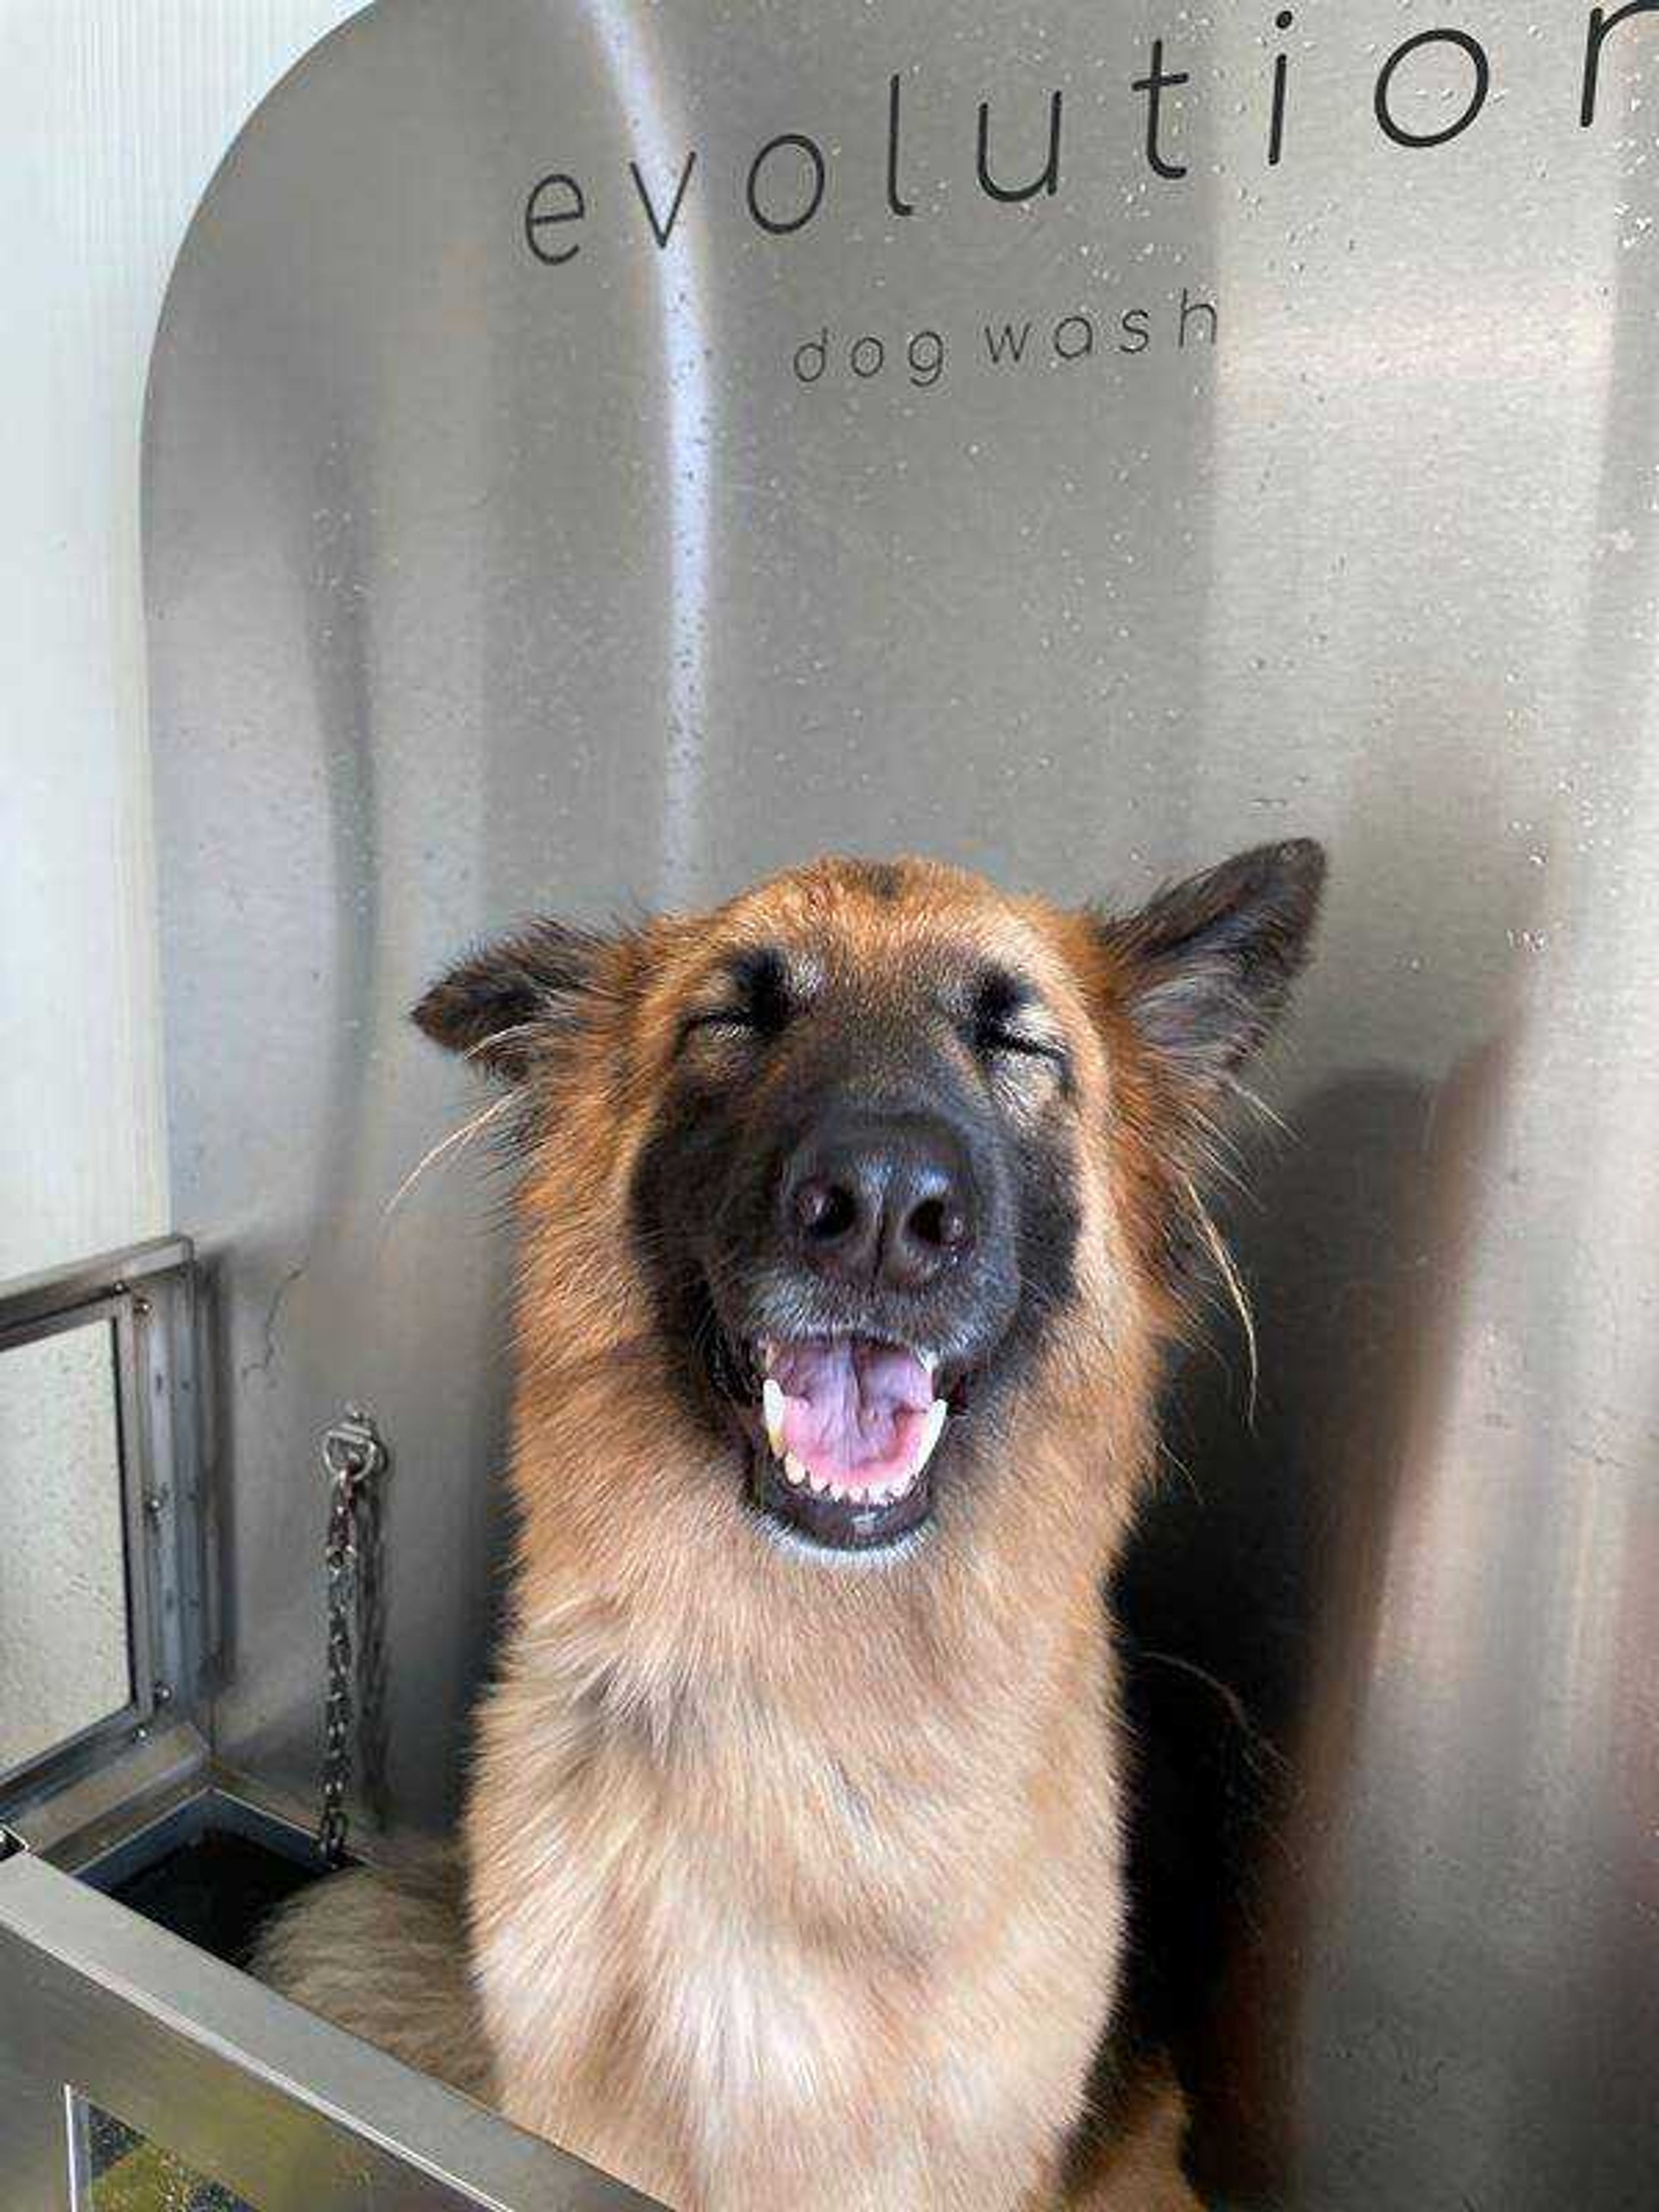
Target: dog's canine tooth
x,y
933,1428
772,1405
794,1470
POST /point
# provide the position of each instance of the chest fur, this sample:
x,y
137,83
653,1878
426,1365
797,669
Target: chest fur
x,y
699,1933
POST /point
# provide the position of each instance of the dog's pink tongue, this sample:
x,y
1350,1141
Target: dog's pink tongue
x,y
853,1411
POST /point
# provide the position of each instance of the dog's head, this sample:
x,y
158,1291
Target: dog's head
x,y
879,1161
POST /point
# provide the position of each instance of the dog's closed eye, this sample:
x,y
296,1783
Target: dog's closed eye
x,y
1008,1019
755,998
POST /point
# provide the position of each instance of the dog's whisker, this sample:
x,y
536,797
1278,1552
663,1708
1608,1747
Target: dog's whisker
x,y
1216,1246
453,1142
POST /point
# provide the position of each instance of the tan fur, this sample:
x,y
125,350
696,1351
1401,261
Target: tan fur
x,y
384,1955
1138,2168
795,1888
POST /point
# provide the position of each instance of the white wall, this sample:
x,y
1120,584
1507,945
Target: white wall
x,y
62,1588
113,115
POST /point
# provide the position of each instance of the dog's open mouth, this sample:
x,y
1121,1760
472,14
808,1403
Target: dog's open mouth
x,y
849,1426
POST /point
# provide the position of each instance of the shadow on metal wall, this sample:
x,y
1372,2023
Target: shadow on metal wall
x,y
1250,1596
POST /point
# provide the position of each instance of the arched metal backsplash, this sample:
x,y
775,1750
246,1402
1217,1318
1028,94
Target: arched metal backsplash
x,y
600,451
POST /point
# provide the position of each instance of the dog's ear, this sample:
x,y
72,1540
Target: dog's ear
x,y
1206,967
504,1003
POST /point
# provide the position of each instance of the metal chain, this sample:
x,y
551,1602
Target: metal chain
x,y
353,1455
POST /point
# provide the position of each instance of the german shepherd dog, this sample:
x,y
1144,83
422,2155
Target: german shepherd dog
x,y
856,1217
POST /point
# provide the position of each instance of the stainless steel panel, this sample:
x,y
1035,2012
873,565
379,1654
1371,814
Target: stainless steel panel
x,y
478,581
240,2084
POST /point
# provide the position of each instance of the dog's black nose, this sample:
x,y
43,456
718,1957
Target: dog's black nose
x,y
884,1202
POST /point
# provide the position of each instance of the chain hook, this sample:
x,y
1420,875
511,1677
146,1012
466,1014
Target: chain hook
x,y
353,1454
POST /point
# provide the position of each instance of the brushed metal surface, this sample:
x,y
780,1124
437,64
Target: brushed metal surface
x,y
287,2111
480,580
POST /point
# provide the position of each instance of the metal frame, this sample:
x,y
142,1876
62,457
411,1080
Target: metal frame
x,y
293,2115
97,2006
215,1805
146,1296
77,1825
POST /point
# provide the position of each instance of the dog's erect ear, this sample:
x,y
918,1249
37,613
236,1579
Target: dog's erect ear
x,y
503,1005
1209,963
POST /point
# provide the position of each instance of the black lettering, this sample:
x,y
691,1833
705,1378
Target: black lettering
x,y
1154,86
1047,177
662,232
874,358
1601,24
779,225
1189,306
1083,326
1134,327
539,218
1006,344
1284,19
820,346
896,199
928,369
1482,86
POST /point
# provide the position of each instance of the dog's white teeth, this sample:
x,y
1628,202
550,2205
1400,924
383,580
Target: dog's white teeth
x,y
768,1351
816,1485
794,1470
929,1364
932,1429
838,1494
772,1406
